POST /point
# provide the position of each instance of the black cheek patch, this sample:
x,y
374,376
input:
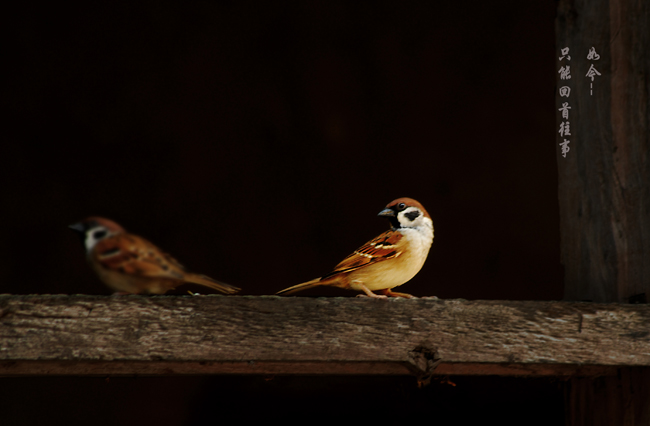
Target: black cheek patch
x,y
394,222
412,215
98,235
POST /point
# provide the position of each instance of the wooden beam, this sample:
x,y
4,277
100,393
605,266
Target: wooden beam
x,y
97,335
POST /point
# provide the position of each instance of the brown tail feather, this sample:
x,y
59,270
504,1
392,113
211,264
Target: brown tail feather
x,y
212,283
304,286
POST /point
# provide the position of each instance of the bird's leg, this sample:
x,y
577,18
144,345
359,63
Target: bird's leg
x,y
369,293
388,292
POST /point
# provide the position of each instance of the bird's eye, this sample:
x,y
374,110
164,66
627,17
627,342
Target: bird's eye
x,y
401,206
98,235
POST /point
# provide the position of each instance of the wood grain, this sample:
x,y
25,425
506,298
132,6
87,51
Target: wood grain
x,y
604,185
604,181
271,335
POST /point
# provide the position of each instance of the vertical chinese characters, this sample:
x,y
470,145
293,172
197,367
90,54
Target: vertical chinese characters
x,y
565,92
593,72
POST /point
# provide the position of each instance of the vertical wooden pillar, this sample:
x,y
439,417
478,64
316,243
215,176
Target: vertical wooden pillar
x,y
604,184
604,180
610,401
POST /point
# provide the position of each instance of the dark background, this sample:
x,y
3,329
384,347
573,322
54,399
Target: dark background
x,y
257,142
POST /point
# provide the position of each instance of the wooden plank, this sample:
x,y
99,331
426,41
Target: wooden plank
x,y
604,180
41,335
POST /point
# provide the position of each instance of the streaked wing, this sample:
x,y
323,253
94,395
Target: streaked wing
x,y
376,250
130,254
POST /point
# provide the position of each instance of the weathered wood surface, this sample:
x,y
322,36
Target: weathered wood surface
x,y
604,181
604,184
84,335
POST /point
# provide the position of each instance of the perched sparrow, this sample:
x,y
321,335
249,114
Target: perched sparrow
x,y
130,264
387,261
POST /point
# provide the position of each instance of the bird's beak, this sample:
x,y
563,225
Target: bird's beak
x,y
387,213
79,227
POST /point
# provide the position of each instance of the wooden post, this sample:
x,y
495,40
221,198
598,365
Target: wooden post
x,y
604,180
604,183
620,399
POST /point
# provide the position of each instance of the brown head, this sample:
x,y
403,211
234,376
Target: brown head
x,y
94,229
405,213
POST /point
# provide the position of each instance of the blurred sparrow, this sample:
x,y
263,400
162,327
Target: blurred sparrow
x,y
387,261
130,264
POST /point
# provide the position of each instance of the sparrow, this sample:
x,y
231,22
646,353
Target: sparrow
x,y
128,263
387,261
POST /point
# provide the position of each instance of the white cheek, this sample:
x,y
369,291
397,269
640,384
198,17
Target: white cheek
x,y
90,241
406,222
403,220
